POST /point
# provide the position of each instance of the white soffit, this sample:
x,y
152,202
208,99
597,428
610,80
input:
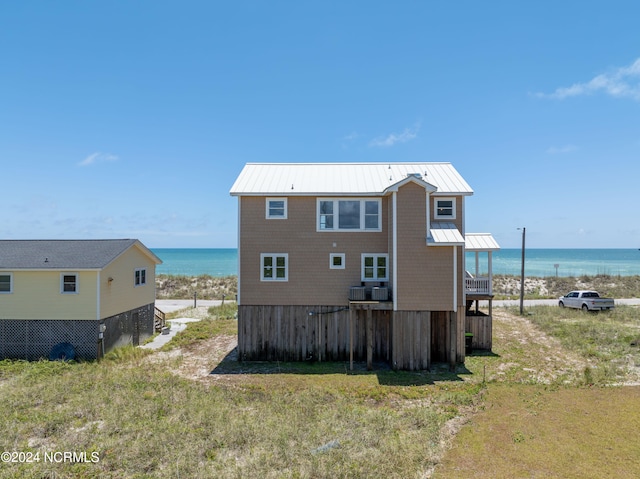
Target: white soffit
x,y
315,179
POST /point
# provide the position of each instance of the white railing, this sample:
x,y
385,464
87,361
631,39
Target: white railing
x,y
477,285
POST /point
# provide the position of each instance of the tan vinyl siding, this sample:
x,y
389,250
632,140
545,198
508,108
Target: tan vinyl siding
x,y
121,294
310,280
425,273
458,221
36,295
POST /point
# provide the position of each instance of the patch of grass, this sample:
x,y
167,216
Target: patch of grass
x,y
577,432
220,320
551,287
145,421
206,287
607,339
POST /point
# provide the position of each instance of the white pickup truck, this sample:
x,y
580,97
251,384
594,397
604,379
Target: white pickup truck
x,y
585,300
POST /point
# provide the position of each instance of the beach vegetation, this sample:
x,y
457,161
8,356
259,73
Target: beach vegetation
x,y
194,410
552,287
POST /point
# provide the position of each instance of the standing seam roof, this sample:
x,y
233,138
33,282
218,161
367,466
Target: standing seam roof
x,y
287,179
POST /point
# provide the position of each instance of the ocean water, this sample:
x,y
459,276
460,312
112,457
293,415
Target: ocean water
x,y
570,262
538,262
197,261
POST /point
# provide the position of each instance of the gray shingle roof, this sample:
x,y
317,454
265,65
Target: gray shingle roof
x,y
62,254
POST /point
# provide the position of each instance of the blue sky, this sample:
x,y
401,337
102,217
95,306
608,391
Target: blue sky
x,y
133,119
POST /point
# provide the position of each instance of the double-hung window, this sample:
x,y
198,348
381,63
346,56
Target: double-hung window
x,y
375,267
445,208
274,267
349,214
68,283
276,209
6,283
140,277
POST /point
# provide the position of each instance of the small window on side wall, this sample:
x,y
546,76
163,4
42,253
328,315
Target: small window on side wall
x,y
68,283
336,261
276,209
6,283
375,267
140,277
445,208
274,267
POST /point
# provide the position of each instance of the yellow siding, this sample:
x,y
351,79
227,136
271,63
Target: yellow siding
x,y
311,281
36,295
121,294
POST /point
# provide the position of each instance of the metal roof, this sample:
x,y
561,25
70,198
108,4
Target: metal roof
x,y
65,254
313,179
444,234
480,242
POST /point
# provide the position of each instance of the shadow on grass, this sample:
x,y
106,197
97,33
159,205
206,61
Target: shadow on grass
x,y
385,374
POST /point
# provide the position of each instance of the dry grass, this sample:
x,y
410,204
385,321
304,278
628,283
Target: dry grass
x,y
508,287
206,287
195,411
532,431
162,414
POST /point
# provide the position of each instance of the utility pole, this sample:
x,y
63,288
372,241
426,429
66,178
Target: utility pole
x,y
524,233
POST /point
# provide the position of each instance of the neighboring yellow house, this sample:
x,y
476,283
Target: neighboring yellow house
x,y
92,294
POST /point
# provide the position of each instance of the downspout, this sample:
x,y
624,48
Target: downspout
x,y
395,249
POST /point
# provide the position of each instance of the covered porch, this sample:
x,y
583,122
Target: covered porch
x,y
479,287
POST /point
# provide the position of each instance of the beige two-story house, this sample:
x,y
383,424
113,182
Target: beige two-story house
x,y
357,261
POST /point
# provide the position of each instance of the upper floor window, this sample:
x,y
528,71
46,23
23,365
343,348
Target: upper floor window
x,y
276,208
274,267
140,277
445,208
6,283
349,214
68,283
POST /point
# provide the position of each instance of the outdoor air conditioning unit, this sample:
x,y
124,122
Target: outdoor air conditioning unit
x,y
357,293
380,293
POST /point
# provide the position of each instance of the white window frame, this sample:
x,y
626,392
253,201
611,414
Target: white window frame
x,y
336,215
436,208
7,273
274,259
332,265
76,283
375,257
140,279
270,216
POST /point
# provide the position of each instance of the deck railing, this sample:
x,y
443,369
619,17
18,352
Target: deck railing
x,y
478,285
159,318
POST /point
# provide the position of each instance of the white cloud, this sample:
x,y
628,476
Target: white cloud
x,y
554,150
98,157
624,82
407,135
